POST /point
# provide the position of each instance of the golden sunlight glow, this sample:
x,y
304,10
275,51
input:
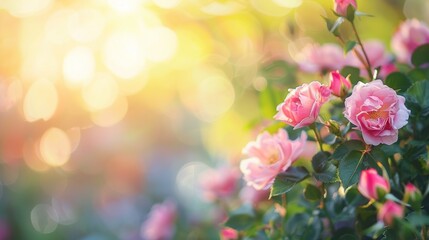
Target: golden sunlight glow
x,y
85,25
100,93
32,157
125,6
25,8
40,101
288,3
78,66
160,43
55,147
166,3
123,54
111,115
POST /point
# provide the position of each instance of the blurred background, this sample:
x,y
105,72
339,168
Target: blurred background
x,y
110,106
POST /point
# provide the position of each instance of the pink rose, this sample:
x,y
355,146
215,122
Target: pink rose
x,y
218,183
315,58
370,184
377,56
228,234
160,223
338,84
412,195
302,105
410,34
377,111
341,6
268,156
389,211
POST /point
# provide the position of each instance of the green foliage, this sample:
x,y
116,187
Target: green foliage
x,y
398,81
324,170
312,193
242,218
349,46
285,181
420,56
350,167
354,74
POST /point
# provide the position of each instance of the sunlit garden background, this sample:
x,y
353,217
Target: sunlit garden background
x,y
108,107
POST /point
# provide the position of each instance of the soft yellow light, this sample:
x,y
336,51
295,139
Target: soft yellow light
x,y
55,147
288,3
123,54
111,115
160,43
25,8
166,3
41,101
100,93
32,157
55,27
78,66
125,6
85,25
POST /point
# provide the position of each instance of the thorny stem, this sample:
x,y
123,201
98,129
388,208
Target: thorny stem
x,y
368,65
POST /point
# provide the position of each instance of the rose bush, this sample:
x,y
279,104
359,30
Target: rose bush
x,y
369,177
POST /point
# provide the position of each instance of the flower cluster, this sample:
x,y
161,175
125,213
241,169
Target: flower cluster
x,y
367,119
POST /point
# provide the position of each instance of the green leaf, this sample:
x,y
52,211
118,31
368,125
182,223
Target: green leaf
x,y
240,222
242,218
334,28
324,170
363,14
419,93
353,72
418,219
416,75
285,181
349,46
350,168
420,55
354,198
345,148
398,81
312,193
350,13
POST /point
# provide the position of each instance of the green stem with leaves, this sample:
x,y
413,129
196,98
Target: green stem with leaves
x,y
325,211
368,65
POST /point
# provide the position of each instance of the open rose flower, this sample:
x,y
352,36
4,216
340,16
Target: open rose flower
x,y
389,211
338,84
318,58
160,223
268,156
219,183
302,105
340,6
410,34
371,184
377,111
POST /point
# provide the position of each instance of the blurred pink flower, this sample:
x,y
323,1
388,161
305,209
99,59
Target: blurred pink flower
x,y
160,223
389,211
253,196
219,183
268,156
302,105
409,35
370,184
412,193
338,84
377,55
228,234
377,111
315,58
340,6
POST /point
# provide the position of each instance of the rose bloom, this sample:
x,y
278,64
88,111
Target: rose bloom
x,y
338,84
268,156
410,34
228,234
389,211
314,58
377,111
370,181
160,223
377,56
302,105
219,183
341,6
